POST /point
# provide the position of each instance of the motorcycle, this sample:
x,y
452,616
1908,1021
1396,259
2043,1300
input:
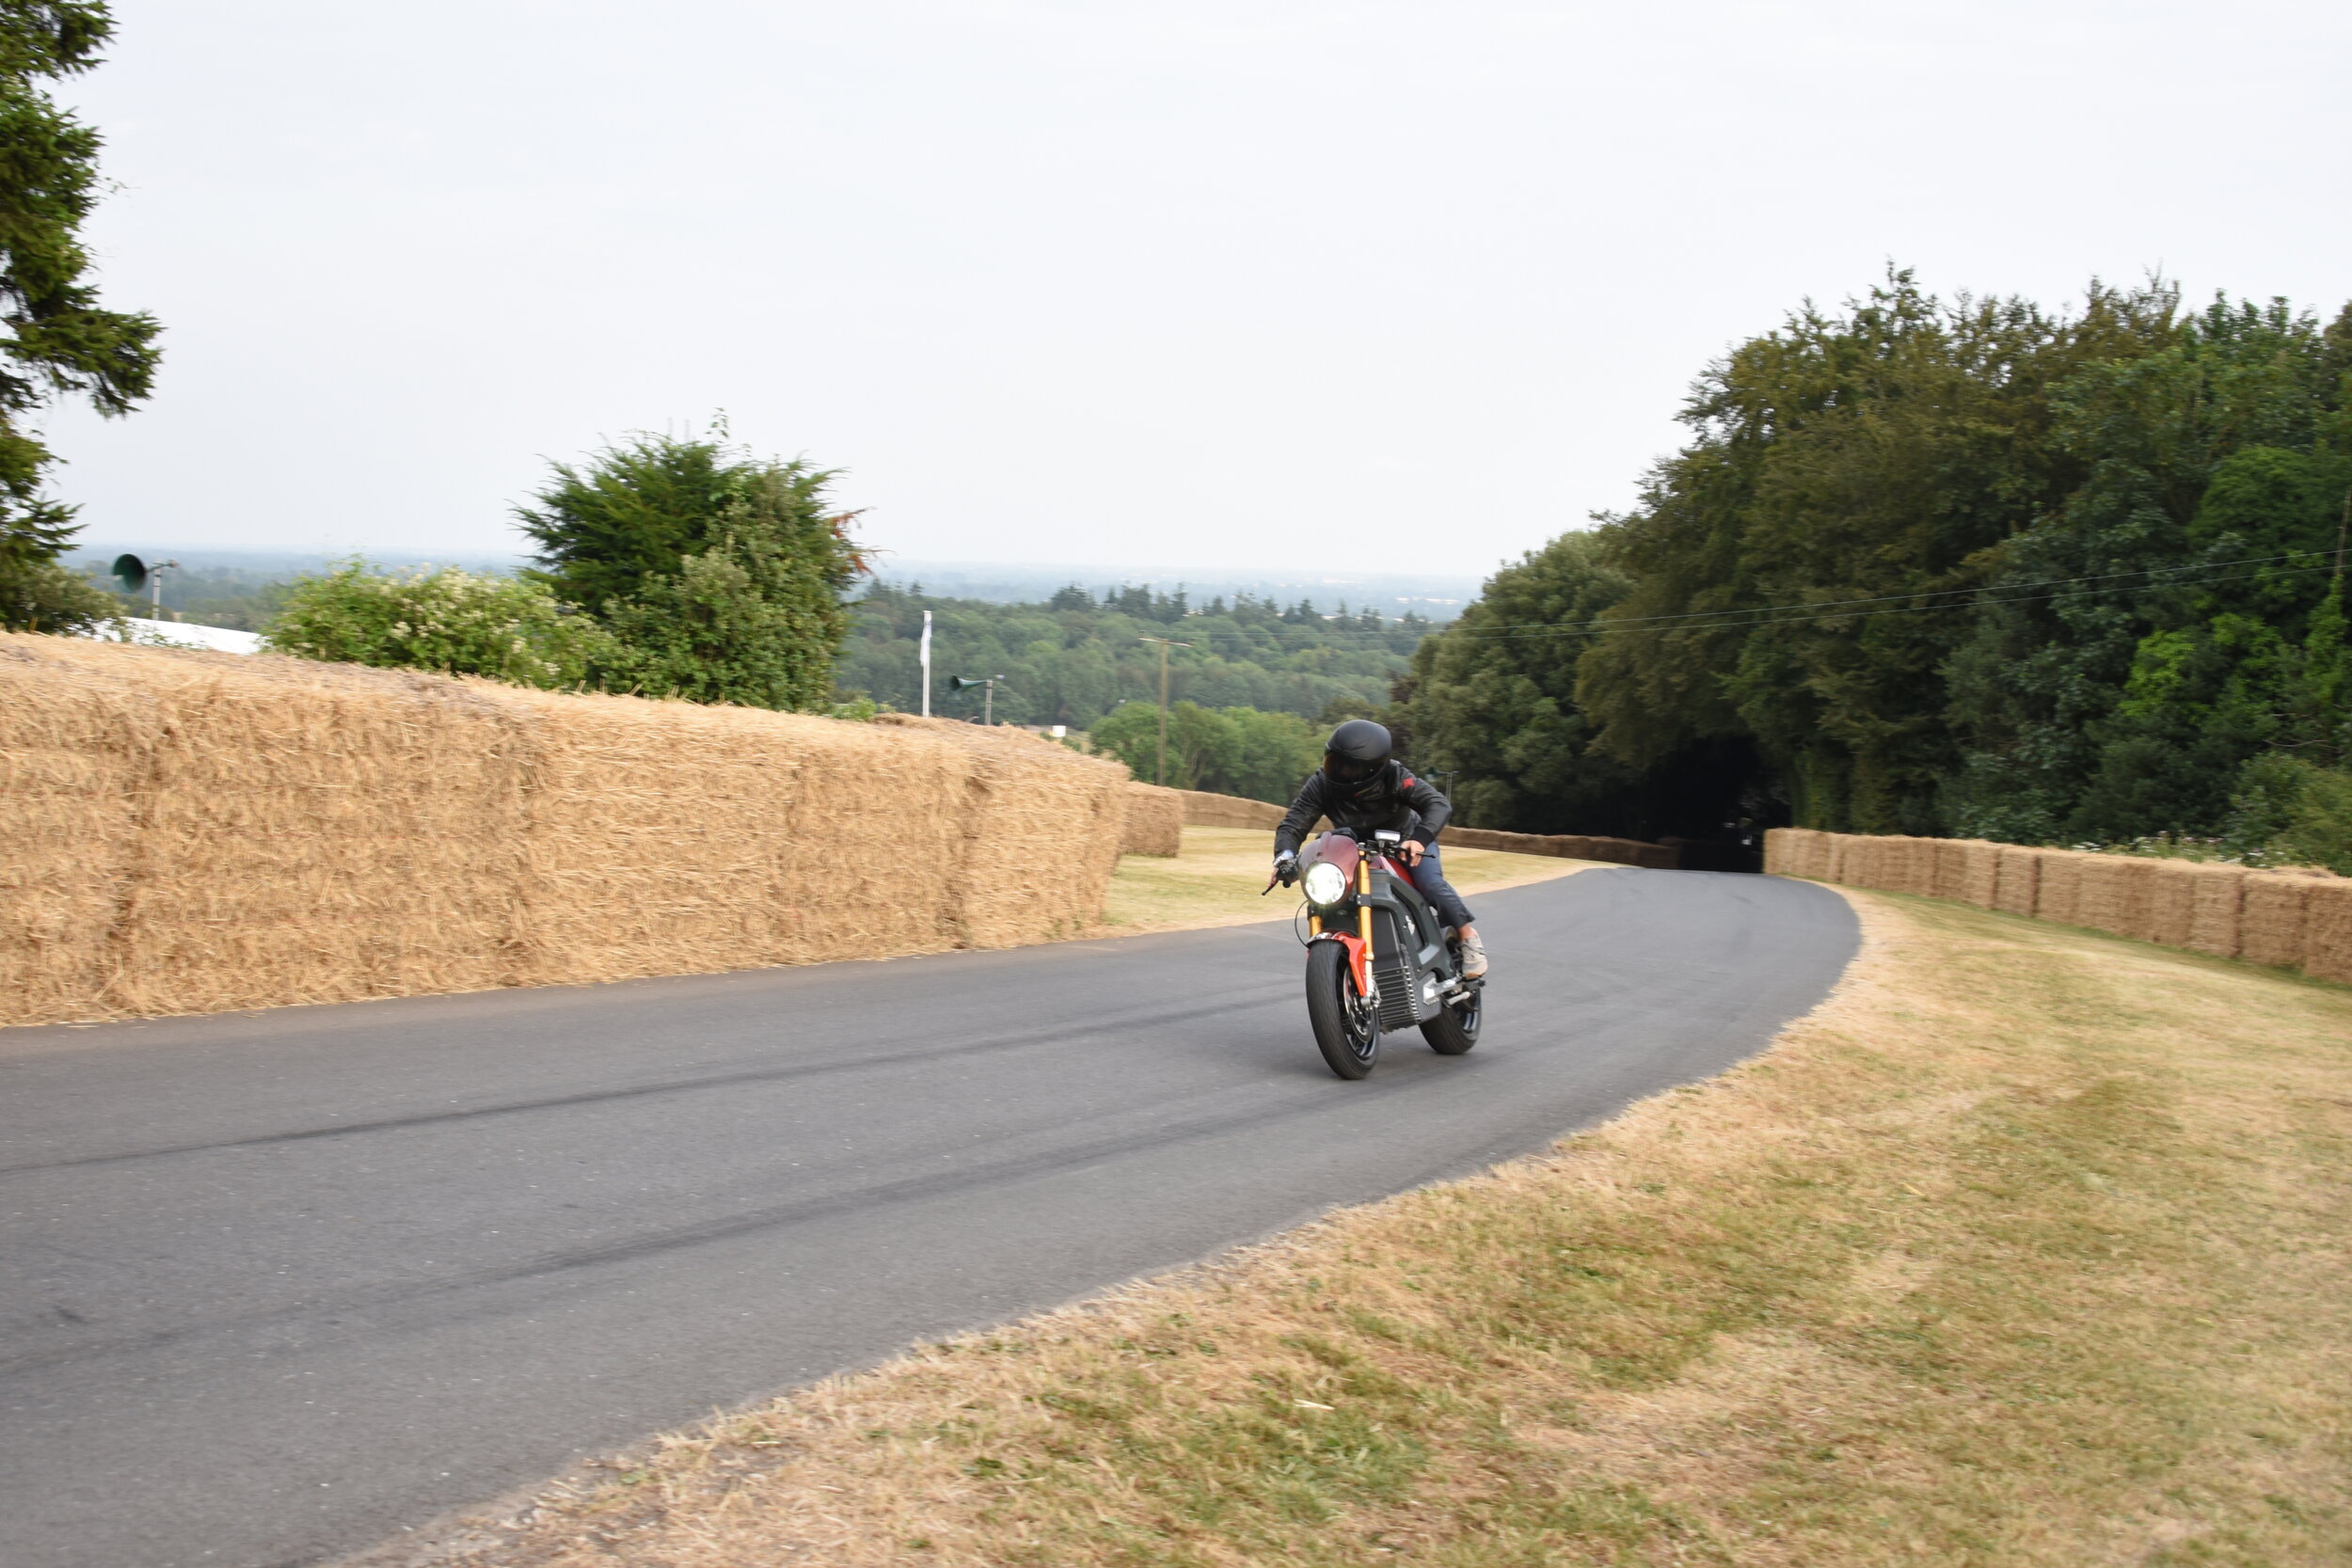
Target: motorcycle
x,y
1377,955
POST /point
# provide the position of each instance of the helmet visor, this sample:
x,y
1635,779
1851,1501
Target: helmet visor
x,y
1346,769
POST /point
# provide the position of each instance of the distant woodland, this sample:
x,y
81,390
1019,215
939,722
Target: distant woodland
x,y
1074,658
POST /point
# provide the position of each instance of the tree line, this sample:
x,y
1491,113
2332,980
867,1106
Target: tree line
x,y
1074,659
1961,566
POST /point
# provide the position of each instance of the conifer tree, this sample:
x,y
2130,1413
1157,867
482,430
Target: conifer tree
x,y
60,342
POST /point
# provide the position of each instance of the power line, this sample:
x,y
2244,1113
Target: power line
x,y
1952,598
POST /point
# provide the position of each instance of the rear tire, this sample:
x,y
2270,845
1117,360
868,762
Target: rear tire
x,y
1455,1030
1348,1031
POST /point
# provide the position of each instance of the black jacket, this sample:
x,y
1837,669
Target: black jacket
x,y
1391,798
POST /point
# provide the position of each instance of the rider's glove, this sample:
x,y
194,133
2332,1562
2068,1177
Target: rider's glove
x,y
1285,866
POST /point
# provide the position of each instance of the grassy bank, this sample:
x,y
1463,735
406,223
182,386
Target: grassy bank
x,y
2029,1246
1216,880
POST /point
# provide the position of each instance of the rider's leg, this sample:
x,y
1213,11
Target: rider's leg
x,y
1429,876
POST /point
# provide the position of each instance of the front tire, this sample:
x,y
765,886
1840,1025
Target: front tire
x,y
1347,1030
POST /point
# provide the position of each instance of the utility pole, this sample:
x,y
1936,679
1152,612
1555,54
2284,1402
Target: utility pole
x,y
1161,777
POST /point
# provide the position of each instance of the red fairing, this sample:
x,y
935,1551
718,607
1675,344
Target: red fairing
x,y
1335,848
1396,867
1357,958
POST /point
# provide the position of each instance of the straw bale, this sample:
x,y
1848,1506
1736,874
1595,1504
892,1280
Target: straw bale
x,y
2112,894
2271,920
1952,867
2327,929
2061,883
1909,865
1883,862
1924,865
300,833
73,750
2017,877
1836,863
1156,821
1978,881
666,837
1796,852
2217,896
1814,855
1041,830
1784,850
2169,912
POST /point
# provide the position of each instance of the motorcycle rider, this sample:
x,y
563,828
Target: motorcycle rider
x,y
1362,786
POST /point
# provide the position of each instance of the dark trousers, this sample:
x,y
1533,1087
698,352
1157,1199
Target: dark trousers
x,y
1429,877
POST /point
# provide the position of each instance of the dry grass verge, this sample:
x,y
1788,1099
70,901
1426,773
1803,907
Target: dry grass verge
x,y
2029,1246
1215,879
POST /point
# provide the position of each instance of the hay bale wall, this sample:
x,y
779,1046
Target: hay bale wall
x,y
1156,821
1204,810
195,831
2288,920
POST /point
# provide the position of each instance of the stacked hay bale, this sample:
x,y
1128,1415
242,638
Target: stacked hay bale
x,y
2016,880
298,831
193,831
2110,891
2271,918
2059,891
75,745
2288,920
2168,911
2327,929
1205,810
1040,830
1156,821
2216,898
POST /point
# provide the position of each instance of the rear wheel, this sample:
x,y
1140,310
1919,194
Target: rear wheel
x,y
1347,1030
1455,1030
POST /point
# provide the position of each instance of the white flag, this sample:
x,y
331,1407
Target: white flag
x,y
926,647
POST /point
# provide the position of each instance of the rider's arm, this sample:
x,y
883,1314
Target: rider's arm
x,y
1432,807
1301,817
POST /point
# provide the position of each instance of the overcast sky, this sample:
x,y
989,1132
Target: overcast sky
x,y
1221,284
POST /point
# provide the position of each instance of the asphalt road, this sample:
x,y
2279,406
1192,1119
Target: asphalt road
x,y
274,1285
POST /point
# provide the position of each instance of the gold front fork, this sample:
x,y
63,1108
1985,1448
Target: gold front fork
x,y
1363,911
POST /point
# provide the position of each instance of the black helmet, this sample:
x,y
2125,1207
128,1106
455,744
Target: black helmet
x,y
1357,750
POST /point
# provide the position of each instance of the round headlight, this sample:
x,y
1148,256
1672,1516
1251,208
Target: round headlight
x,y
1326,884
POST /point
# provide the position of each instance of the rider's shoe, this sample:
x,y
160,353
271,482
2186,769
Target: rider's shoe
x,y
1474,957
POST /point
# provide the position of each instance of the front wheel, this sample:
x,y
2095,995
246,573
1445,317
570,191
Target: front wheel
x,y
1347,1030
